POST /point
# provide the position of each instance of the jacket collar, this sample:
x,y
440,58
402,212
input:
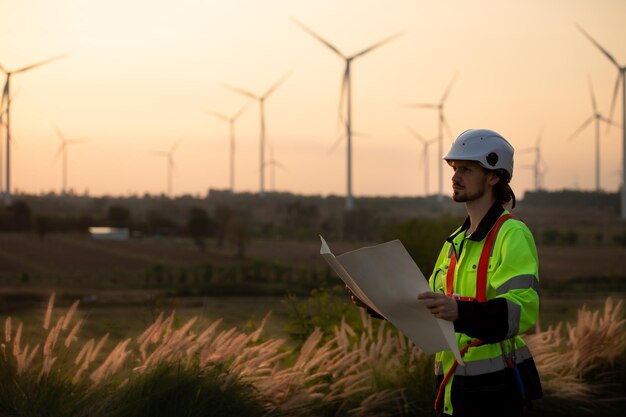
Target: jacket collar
x,y
484,226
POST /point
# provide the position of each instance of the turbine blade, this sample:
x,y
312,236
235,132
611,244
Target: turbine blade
x,y
609,121
376,45
446,125
59,152
580,129
358,134
337,142
59,133
343,92
38,64
216,114
620,76
420,105
5,92
240,112
319,38
416,135
279,165
2,69
75,141
593,96
539,137
445,94
275,86
240,91
604,51
173,149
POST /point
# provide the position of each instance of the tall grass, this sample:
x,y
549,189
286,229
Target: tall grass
x,y
188,370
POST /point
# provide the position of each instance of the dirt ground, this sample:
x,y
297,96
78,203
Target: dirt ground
x,y
74,254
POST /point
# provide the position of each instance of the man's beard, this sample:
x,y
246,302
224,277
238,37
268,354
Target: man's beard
x,y
464,197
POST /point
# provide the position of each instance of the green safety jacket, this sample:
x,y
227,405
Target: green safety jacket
x,y
489,381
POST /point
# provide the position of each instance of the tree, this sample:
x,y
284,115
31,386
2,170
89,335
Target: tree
x,y
423,238
239,231
199,226
42,226
119,216
222,216
159,224
19,217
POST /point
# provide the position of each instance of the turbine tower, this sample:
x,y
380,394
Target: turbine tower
x,y
170,164
261,99
63,151
231,123
273,163
443,122
621,73
346,94
3,112
6,94
426,144
598,118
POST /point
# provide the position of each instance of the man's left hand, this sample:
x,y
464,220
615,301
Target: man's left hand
x,y
440,305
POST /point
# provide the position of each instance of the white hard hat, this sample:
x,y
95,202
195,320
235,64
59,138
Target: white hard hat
x,y
484,146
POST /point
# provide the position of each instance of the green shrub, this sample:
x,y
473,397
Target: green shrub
x,y
323,309
423,238
171,389
29,394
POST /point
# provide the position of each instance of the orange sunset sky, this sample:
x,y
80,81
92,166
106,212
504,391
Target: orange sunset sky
x,y
138,74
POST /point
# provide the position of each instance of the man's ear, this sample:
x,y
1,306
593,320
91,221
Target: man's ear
x,y
492,178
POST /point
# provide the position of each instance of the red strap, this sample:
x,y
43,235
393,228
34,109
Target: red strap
x,y
446,378
483,265
450,274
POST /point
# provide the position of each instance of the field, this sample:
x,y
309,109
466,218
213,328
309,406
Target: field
x,y
110,278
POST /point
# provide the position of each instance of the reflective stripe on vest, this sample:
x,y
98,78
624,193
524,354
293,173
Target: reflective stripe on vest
x,y
486,366
483,265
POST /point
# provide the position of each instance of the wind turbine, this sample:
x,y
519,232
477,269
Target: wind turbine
x,y
261,99
346,94
170,164
621,74
598,118
273,164
231,123
539,166
63,150
6,94
443,122
426,144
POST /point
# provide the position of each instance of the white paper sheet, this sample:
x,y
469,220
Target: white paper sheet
x,y
387,279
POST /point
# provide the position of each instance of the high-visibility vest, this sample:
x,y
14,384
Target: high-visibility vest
x,y
511,272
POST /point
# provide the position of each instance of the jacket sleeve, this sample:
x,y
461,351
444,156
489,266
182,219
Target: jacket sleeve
x,y
513,306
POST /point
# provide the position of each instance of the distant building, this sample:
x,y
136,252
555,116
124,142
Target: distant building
x,y
109,233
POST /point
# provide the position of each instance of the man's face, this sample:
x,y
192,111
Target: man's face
x,y
470,181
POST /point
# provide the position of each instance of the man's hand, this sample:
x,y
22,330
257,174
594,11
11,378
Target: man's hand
x,y
440,305
355,300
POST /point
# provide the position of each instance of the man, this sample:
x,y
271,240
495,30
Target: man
x,y
485,281
490,300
